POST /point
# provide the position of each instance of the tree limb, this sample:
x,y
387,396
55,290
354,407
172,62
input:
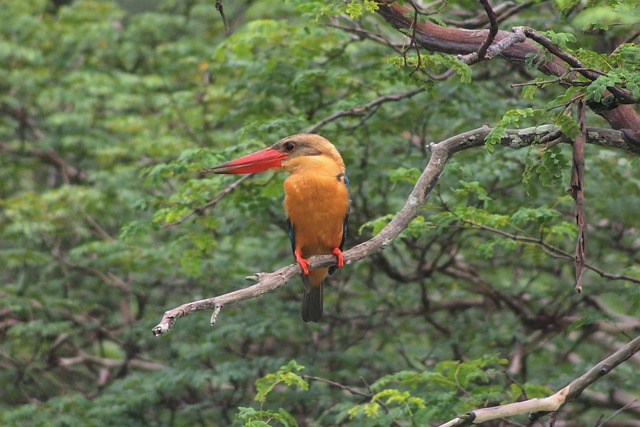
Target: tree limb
x,y
459,41
622,95
539,407
493,30
202,208
440,154
68,172
552,251
357,111
576,190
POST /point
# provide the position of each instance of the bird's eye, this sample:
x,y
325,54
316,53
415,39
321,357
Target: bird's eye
x,y
289,146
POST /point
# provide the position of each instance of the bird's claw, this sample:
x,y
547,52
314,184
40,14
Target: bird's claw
x,y
302,261
338,253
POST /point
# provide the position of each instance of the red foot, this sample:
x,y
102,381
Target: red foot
x,y
338,253
303,262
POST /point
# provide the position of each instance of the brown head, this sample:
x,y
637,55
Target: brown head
x,y
291,153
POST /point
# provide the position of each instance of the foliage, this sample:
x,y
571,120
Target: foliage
x,y
108,117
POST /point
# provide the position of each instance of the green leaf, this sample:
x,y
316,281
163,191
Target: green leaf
x,y
354,9
403,174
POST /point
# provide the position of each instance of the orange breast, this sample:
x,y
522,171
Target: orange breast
x,y
316,205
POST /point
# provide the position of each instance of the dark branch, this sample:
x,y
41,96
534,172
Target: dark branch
x,y
493,31
458,41
200,210
362,109
577,192
220,8
622,95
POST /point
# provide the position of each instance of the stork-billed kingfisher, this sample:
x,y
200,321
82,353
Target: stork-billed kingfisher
x,y
316,203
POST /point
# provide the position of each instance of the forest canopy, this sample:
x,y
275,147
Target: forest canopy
x,y
493,245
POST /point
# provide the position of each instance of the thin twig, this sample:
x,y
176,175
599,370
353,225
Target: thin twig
x,y
576,190
341,386
493,30
551,250
362,109
220,8
200,209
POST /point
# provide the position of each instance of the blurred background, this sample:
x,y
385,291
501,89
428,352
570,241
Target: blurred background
x,y
108,113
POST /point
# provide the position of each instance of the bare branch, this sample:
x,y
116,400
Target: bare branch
x,y
495,49
493,30
340,386
622,95
577,192
553,251
357,111
68,172
503,11
440,154
202,208
553,403
220,8
431,36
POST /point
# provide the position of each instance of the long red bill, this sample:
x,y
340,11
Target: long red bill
x,y
255,162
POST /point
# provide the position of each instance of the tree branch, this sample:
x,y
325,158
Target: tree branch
x,y
552,251
202,208
68,172
577,192
440,154
493,31
539,407
357,111
458,41
622,95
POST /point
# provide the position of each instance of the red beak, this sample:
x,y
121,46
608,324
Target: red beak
x,y
255,162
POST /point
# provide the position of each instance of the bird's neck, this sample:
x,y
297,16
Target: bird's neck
x,y
314,165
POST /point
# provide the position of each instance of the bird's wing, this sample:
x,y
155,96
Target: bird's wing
x,y
292,237
343,178
346,217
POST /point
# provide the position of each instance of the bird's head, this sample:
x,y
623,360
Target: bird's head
x,y
289,154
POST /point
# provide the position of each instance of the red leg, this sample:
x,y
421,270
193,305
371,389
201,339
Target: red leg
x,y
338,253
303,262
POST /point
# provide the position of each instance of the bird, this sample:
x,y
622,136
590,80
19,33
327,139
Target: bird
x,y
317,203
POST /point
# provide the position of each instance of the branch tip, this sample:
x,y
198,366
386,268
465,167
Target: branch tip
x,y
161,329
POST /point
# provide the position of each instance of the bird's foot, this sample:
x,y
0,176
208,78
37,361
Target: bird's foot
x,y
302,261
338,253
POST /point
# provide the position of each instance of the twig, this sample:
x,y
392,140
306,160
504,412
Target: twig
x,y
357,111
341,386
440,154
576,190
539,407
493,30
200,209
632,37
553,251
220,8
68,173
482,19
